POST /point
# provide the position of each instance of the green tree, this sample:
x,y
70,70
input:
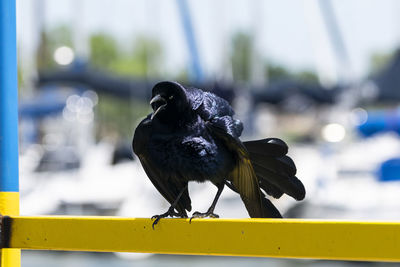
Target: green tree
x,y
104,50
379,60
241,60
144,60
117,116
307,76
241,56
277,72
49,41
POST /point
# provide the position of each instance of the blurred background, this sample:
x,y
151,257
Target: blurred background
x,y
324,75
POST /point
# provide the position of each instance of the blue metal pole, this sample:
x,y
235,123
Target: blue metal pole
x,y
8,98
9,195
196,68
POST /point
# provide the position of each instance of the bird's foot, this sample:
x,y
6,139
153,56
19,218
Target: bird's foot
x,y
209,214
171,212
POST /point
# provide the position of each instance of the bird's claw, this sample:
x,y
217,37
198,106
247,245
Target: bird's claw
x,y
209,214
171,212
157,218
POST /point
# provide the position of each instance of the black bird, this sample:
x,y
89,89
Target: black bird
x,y
192,136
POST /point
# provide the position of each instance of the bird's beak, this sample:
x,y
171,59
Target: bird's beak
x,y
158,103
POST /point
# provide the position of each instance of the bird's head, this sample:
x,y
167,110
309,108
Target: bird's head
x,y
169,101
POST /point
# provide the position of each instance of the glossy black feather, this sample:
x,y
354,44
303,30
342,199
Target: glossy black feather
x,y
243,177
268,188
275,170
281,165
291,186
169,187
270,211
192,136
269,146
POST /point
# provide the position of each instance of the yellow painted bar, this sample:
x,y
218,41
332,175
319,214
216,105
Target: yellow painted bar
x,y
9,205
288,238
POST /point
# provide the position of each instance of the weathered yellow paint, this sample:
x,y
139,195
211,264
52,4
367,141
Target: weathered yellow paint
x,y
289,238
9,205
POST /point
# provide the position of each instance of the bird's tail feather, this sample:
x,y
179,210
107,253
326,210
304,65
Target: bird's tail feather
x,y
269,210
243,177
274,169
244,182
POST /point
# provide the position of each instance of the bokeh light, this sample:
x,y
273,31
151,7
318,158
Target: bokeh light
x,y
64,55
333,132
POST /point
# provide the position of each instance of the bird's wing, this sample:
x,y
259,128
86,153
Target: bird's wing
x,y
210,106
195,96
214,107
243,177
168,186
217,105
276,171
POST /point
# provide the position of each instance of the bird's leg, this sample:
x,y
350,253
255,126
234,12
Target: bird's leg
x,y
210,212
171,211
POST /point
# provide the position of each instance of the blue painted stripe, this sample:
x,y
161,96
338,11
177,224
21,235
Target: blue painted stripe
x,y
8,98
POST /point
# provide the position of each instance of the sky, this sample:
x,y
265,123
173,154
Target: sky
x,y
287,32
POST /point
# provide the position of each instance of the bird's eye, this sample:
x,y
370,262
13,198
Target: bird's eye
x,y
171,97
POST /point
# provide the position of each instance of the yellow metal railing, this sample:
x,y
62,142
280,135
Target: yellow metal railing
x,y
288,238
9,204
